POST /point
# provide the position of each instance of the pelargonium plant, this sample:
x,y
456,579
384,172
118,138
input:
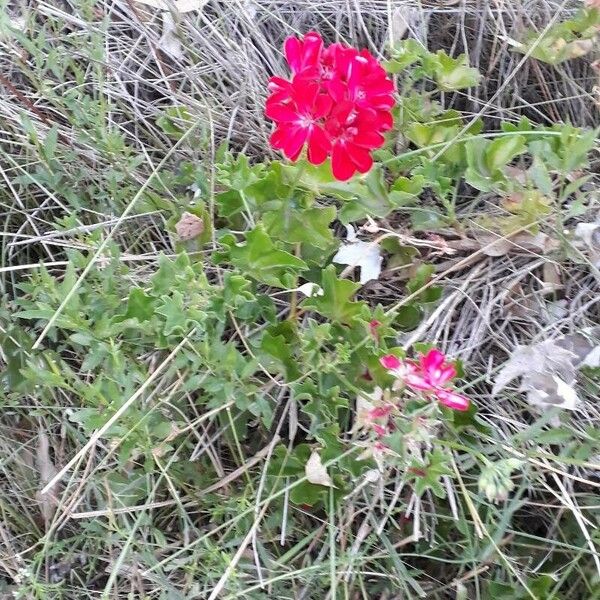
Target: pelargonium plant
x,y
337,104
430,376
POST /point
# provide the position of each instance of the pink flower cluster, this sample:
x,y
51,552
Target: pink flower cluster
x,y
430,375
337,103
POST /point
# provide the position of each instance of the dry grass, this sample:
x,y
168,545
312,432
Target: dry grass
x,y
96,72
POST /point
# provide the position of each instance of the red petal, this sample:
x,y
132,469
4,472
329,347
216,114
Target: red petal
x,y
445,374
368,139
453,400
338,89
278,137
305,94
281,112
313,44
379,430
322,106
278,84
343,168
303,54
292,145
390,362
319,145
385,121
360,157
379,412
382,102
292,48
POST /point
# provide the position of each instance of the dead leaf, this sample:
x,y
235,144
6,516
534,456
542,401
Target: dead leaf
x,y
315,471
497,245
365,403
169,42
47,470
592,359
582,345
189,226
310,289
552,277
402,19
548,370
580,48
545,357
518,303
544,390
356,253
519,175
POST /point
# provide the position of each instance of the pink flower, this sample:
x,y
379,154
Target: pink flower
x,y
338,104
374,326
431,372
391,362
452,400
380,412
429,375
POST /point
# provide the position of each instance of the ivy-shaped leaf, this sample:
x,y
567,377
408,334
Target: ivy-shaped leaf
x,y
309,225
336,303
278,344
260,258
427,475
453,73
140,306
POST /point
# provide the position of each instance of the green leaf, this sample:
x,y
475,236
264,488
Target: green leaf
x,y
323,406
403,54
419,280
503,150
454,73
309,226
427,219
336,303
279,344
175,313
408,317
308,493
170,271
260,258
140,306
236,173
175,121
427,475
462,419
563,41
363,196
556,435
405,191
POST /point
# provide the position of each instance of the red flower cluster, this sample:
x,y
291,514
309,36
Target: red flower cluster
x,y
429,374
337,103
